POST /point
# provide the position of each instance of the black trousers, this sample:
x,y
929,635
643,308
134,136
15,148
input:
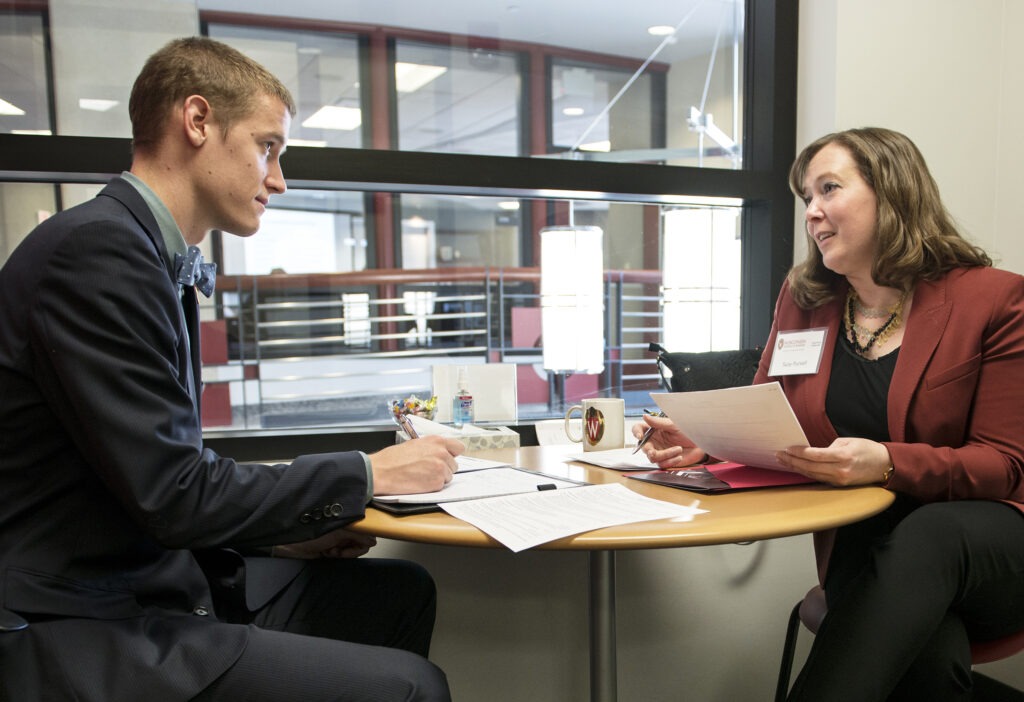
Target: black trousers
x,y
907,590
343,630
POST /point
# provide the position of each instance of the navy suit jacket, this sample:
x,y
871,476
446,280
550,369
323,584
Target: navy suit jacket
x,y
105,486
954,405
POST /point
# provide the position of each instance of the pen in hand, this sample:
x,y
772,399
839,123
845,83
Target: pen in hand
x,y
407,427
649,433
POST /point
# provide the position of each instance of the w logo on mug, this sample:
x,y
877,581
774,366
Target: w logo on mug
x,y
600,425
593,425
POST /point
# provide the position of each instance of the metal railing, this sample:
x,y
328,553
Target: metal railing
x,y
326,348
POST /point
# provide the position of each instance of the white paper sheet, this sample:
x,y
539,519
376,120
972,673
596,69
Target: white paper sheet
x,y
471,463
747,424
617,459
523,521
482,483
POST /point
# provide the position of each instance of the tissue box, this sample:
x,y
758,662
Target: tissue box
x,y
475,438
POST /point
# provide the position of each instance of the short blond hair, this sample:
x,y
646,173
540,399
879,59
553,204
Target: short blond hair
x,y
229,80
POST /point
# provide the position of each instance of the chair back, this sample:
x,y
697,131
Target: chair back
x,y
706,370
813,609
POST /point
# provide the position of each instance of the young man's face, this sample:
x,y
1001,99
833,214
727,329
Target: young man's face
x,y
241,169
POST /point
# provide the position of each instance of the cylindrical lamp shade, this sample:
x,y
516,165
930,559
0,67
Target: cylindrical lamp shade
x,y
572,298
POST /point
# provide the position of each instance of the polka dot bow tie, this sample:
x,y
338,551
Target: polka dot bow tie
x,y
190,270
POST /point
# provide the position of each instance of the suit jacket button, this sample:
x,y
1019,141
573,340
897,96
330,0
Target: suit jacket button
x,y
201,611
336,510
318,514
305,519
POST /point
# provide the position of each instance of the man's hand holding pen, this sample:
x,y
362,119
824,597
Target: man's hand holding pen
x,y
417,465
664,444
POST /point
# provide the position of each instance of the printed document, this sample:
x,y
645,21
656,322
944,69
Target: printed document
x,y
486,482
531,519
747,424
617,459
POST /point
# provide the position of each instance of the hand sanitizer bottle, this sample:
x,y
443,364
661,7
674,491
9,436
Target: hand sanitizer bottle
x,y
462,401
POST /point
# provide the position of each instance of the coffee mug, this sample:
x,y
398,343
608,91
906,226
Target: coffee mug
x,y
603,423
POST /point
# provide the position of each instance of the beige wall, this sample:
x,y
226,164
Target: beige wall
x,y
948,74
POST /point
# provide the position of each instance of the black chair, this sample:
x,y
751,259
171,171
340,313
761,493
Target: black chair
x,y
15,668
811,610
683,371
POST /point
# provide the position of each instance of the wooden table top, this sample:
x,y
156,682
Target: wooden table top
x,y
747,515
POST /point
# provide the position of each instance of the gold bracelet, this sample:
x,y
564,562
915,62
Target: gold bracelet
x,y
887,474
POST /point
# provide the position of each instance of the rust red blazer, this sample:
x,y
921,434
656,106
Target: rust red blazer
x,y
956,402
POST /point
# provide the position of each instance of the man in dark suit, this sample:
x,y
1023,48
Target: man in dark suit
x,y
140,560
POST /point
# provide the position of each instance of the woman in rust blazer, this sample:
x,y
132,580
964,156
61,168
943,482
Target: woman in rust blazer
x,y
919,390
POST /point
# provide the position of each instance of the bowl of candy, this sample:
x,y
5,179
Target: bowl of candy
x,y
414,405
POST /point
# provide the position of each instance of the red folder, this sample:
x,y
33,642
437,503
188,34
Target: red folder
x,y
720,477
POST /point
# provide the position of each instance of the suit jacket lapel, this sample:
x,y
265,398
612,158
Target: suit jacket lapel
x,y
929,315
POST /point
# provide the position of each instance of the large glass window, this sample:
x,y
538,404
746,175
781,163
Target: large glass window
x,y
448,147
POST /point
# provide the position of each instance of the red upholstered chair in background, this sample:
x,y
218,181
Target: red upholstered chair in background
x,y
811,611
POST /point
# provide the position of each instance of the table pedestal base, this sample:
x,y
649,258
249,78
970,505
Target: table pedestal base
x,y
603,681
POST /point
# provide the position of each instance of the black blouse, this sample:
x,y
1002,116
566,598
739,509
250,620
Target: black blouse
x,y
857,392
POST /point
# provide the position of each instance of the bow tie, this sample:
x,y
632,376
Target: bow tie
x,y
190,270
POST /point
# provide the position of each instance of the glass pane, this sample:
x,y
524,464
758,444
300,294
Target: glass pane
x,y
336,346
441,231
659,81
24,98
322,72
600,109
99,47
22,207
457,100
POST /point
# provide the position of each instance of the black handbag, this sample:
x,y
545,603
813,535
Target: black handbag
x,y
684,371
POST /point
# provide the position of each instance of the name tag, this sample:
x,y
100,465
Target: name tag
x,y
797,352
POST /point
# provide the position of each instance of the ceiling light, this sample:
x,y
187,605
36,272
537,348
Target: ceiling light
x,y
605,145
7,108
410,77
661,30
572,111
96,104
319,143
334,117
510,205
32,132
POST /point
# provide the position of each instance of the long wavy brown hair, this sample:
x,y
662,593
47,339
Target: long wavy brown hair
x,y
916,237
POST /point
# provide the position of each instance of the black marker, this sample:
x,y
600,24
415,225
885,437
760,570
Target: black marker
x,y
547,486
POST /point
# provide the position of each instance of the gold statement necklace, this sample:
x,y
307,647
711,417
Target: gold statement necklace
x,y
855,332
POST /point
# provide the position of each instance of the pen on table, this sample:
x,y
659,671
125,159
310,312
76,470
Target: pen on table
x,y
407,427
649,433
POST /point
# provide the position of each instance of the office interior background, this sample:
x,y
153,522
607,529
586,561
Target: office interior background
x,y
437,145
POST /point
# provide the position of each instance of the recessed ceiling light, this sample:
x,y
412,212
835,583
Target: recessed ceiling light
x,y
7,108
319,143
334,117
605,145
509,205
572,111
410,77
661,30
32,132
96,104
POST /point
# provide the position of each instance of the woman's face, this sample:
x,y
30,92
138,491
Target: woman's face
x,y
842,212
